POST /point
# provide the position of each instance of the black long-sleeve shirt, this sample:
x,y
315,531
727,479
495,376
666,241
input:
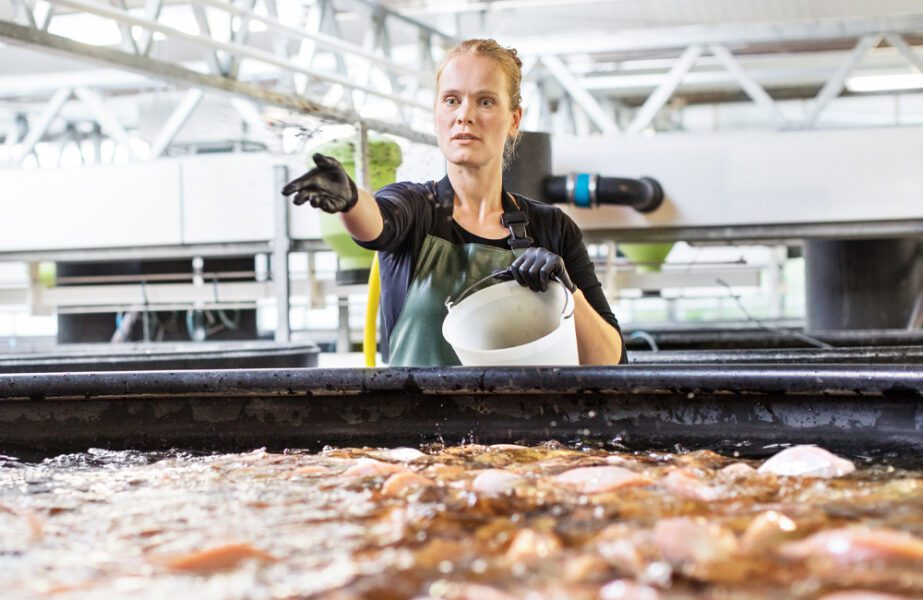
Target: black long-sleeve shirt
x,y
411,211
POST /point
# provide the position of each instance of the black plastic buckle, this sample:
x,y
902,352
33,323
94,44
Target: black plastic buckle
x,y
517,221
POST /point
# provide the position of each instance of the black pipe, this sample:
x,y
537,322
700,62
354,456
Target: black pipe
x,y
589,190
163,357
811,356
784,337
529,174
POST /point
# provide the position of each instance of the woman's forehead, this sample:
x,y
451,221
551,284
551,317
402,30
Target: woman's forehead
x,y
470,72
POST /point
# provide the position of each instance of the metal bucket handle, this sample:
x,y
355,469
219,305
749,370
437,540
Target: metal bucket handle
x,y
449,302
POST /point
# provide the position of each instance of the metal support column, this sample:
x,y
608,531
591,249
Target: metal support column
x,y
862,284
280,247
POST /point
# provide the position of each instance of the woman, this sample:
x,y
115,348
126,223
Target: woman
x,y
437,238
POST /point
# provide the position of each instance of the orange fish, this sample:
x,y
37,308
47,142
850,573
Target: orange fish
x,y
218,558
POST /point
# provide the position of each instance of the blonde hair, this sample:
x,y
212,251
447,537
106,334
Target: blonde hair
x,y
508,61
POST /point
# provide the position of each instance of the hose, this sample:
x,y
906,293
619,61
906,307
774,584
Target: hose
x,y
371,313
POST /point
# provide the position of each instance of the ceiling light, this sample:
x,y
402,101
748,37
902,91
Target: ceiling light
x,y
885,83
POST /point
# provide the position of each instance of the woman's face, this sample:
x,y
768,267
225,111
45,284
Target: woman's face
x,y
473,116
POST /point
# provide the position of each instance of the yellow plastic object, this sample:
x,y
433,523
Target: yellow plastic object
x,y
47,274
649,256
371,312
384,159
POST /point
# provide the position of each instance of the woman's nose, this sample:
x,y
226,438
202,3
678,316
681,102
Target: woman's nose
x,y
464,114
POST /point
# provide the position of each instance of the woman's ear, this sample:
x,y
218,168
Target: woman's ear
x,y
517,119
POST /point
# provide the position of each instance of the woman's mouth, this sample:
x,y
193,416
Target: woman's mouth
x,y
464,137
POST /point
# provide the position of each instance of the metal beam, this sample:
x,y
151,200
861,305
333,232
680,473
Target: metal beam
x,y
906,51
187,78
251,116
583,98
201,19
35,85
659,97
18,127
308,34
229,47
24,8
37,131
239,36
419,25
175,121
127,42
107,121
749,85
330,25
835,84
732,36
43,21
280,45
281,244
152,10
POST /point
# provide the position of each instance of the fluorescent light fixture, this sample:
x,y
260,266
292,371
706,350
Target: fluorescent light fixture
x,y
885,83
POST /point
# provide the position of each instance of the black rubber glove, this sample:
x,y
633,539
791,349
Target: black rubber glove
x,y
535,268
326,186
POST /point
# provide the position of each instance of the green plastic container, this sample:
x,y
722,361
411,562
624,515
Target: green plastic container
x,y
384,159
651,255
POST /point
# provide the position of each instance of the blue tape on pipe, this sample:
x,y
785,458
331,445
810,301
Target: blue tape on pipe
x,y
582,190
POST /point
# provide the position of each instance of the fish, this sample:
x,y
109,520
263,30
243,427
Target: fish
x,y
852,545
767,530
686,484
369,467
862,595
530,545
807,461
737,470
400,484
594,480
403,455
685,541
219,558
623,589
496,482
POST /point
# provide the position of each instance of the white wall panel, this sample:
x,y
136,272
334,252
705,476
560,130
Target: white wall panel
x,y
757,178
90,207
228,198
221,198
304,221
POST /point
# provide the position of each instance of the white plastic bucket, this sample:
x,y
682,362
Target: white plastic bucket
x,y
508,324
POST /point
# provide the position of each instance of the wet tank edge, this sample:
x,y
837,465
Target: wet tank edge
x,y
825,379
858,411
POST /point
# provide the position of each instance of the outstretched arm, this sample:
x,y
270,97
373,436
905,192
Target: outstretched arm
x,y
363,221
328,187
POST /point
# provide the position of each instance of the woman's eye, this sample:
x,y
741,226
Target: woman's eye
x,y
451,101
487,102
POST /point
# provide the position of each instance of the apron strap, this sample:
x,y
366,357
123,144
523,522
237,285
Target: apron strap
x,y
517,222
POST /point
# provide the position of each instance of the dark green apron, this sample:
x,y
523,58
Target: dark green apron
x,y
443,270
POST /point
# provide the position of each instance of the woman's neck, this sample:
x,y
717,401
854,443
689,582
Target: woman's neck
x,y
477,191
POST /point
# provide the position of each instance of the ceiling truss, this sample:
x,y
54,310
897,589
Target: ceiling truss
x,y
309,67
290,75
601,114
